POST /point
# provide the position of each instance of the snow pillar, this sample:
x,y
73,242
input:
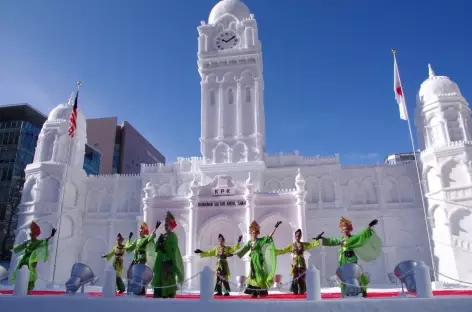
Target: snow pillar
x,y
206,283
313,284
21,284
423,281
109,287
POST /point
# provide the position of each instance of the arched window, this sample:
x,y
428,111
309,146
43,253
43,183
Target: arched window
x,y
212,97
247,96
230,96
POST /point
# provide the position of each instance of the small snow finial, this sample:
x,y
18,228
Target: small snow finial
x,y
249,179
431,71
299,175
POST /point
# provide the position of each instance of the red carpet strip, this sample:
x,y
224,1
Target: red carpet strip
x,y
445,292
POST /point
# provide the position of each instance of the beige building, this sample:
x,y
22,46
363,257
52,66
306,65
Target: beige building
x,y
122,147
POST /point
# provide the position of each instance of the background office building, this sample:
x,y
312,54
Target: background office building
x,y
122,147
20,125
400,158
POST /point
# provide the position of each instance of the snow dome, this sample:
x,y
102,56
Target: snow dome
x,y
437,86
63,111
233,7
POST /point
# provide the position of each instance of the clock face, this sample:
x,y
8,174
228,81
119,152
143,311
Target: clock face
x,y
226,40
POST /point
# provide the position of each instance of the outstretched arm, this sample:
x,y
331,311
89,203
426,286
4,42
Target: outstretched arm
x,y
275,228
53,232
206,253
110,254
285,250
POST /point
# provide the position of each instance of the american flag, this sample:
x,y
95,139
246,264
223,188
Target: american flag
x,y
73,117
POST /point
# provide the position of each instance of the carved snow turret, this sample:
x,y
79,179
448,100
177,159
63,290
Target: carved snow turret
x,y
54,191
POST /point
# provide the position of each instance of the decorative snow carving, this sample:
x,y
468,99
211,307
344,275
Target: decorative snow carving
x,y
239,152
327,189
406,189
165,190
389,190
29,191
220,153
50,189
370,191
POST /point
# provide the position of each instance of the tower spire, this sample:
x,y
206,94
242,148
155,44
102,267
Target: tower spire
x,y
431,71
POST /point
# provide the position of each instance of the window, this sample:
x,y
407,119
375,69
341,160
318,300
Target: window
x,y
247,92
230,96
212,97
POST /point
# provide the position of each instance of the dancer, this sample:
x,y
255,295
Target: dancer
x,y
263,261
297,249
354,247
142,248
222,268
34,250
168,267
118,252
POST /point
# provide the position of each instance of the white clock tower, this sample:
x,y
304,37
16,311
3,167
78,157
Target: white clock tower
x,y
232,102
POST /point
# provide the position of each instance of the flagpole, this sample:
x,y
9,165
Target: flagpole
x,y
66,171
394,52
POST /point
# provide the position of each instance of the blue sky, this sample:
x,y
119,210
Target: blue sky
x,y
327,65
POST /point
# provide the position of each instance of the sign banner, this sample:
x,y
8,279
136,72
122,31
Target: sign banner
x,y
230,203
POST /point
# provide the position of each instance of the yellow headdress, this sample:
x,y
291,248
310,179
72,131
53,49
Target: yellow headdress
x,y
345,223
255,227
144,228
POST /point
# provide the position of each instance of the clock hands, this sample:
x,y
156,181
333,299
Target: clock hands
x,y
229,39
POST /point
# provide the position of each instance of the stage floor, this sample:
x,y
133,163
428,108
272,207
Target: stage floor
x,y
383,293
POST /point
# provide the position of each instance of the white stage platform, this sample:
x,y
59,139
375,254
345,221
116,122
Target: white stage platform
x,y
135,304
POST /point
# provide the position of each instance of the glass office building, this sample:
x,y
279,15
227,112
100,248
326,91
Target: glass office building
x,y
20,126
92,160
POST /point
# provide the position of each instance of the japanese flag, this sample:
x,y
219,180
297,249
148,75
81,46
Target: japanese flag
x,y
398,89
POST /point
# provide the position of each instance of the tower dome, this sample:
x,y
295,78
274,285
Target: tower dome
x,y
437,86
234,7
63,111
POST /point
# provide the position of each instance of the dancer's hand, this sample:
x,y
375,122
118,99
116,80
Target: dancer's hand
x,y
229,255
240,238
319,236
158,224
373,222
130,235
197,251
53,232
278,223
103,257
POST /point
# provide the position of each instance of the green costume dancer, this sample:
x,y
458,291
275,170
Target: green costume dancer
x,y
142,248
118,252
34,250
222,272
297,249
168,267
263,261
365,245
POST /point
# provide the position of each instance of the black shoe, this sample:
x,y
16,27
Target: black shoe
x,y
364,294
295,292
254,295
219,294
226,294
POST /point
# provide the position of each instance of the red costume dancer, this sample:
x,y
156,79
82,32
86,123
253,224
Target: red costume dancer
x,y
34,250
142,248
